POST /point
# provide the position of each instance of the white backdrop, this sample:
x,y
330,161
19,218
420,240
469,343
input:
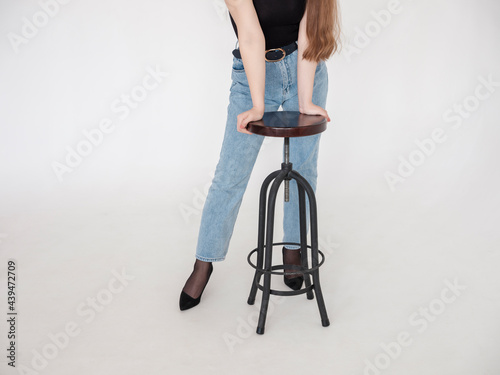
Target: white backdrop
x,y
111,119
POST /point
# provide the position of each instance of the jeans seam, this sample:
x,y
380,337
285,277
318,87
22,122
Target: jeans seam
x,y
210,259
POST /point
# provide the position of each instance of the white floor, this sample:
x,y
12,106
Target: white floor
x,y
386,282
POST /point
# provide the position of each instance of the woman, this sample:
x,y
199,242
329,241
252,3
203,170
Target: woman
x,y
280,62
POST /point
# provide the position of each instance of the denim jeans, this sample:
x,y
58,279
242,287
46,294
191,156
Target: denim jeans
x,y
239,152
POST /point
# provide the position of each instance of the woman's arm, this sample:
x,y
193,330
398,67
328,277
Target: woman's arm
x,y
305,75
252,46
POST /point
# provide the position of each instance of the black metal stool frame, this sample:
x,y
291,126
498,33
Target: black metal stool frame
x,y
265,234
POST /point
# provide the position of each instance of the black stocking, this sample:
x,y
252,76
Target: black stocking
x,y
291,257
198,279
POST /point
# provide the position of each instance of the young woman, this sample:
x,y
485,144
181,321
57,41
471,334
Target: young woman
x,y
283,45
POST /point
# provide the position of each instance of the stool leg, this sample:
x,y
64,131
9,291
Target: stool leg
x,y
303,237
260,241
269,250
314,246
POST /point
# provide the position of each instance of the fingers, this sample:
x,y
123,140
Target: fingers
x,y
244,131
324,113
244,118
242,122
316,110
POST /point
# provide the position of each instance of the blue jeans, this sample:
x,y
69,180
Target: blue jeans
x,y
239,152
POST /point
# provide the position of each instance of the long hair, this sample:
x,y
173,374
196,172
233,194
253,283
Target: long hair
x,y
323,29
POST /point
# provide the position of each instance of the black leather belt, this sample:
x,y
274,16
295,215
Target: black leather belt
x,y
273,54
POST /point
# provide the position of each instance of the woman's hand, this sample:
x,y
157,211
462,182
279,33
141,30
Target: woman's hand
x,y
244,118
313,109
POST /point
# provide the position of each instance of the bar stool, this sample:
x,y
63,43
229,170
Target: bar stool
x,y
286,124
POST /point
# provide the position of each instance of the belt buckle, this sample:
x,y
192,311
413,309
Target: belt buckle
x,y
275,49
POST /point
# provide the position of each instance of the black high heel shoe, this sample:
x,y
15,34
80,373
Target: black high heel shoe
x,y
186,301
294,283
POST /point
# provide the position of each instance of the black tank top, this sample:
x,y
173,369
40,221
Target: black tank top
x,y
279,20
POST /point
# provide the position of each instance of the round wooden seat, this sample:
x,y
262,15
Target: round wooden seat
x,y
287,124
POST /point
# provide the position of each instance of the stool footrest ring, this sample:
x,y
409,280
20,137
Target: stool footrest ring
x,y
263,271
285,292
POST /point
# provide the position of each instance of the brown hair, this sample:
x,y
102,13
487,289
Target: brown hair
x,y
323,29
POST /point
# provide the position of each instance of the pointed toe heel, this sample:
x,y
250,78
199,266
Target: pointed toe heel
x,y
294,283
187,302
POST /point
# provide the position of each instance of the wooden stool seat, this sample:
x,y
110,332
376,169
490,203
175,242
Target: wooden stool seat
x,y
287,124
